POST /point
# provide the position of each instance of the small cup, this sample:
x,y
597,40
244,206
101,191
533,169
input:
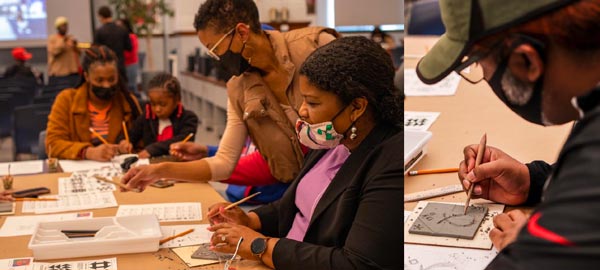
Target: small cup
x,y
7,182
52,165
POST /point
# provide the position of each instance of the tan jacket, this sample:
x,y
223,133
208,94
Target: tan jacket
x,y
271,130
63,60
69,122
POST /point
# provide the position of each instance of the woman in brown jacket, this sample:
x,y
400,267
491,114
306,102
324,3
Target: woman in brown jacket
x,y
263,98
101,102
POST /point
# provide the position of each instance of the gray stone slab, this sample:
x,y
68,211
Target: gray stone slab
x,y
448,220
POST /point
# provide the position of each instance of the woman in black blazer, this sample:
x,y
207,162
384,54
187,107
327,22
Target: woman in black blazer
x,y
344,211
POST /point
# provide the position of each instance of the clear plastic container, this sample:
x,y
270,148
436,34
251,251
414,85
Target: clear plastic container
x,y
115,235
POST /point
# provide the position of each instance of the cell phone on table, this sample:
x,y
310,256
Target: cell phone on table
x,y
162,184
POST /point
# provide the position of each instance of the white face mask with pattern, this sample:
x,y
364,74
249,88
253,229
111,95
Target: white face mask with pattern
x,y
320,135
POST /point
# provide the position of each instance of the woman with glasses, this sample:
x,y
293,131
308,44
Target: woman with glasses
x,y
264,98
342,211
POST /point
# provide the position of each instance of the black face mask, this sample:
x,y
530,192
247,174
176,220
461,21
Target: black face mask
x,y
104,93
62,32
525,99
234,63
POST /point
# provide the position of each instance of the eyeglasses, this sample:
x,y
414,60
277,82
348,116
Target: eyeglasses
x,y
211,52
233,257
470,69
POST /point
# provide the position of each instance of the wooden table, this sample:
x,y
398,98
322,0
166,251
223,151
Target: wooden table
x,y
464,118
14,247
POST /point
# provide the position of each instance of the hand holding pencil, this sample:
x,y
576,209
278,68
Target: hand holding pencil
x,y
498,178
229,212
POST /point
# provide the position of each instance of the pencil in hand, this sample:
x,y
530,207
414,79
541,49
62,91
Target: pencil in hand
x,y
189,136
162,241
98,135
232,205
126,133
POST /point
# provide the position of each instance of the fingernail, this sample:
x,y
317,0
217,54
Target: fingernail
x,y
471,176
477,190
466,183
211,247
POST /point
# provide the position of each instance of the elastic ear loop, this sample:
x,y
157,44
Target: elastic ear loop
x,y
237,248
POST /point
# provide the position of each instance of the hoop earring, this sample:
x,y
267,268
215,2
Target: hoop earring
x,y
353,133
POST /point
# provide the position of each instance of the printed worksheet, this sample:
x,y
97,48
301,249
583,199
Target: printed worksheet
x,y
71,202
84,181
419,120
165,212
198,236
419,257
24,225
414,87
104,264
17,264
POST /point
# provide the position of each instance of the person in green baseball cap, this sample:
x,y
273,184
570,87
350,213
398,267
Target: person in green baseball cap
x,y
542,59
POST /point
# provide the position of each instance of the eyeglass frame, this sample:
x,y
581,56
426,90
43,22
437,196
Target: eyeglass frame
x,y
520,38
211,52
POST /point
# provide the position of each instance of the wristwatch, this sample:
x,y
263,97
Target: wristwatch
x,y
259,246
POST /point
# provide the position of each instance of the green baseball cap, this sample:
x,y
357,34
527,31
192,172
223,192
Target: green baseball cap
x,y
468,21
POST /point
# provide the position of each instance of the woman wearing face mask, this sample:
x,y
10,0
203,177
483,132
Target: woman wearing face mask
x,y
101,102
542,60
263,99
338,212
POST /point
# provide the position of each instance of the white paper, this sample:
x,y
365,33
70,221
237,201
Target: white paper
x,y
22,167
17,264
83,165
71,202
84,181
406,215
419,257
24,225
414,87
419,120
198,236
103,264
165,212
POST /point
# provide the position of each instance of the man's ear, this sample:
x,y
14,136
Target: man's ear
x,y
359,106
525,63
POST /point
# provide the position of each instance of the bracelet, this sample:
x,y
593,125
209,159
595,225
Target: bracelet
x,y
83,152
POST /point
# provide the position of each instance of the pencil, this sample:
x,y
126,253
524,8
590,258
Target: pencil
x,y
175,236
103,179
478,159
242,201
35,199
446,170
126,133
189,136
99,136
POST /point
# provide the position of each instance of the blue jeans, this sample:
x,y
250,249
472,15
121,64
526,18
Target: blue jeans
x,y
132,75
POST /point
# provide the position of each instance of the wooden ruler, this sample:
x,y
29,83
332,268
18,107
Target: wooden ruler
x,y
422,195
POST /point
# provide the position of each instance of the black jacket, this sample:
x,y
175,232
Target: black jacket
x,y
357,223
146,129
563,232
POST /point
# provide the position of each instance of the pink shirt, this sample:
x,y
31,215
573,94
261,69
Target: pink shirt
x,y
312,186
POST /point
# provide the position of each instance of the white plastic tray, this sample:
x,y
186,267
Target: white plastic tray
x,y
116,235
415,147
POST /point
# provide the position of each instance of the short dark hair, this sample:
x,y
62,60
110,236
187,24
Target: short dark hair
x,y
167,82
105,12
225,14
354,67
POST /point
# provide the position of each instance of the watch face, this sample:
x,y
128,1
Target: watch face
x,y
258,246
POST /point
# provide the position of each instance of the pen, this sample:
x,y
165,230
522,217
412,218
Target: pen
x,y
478,159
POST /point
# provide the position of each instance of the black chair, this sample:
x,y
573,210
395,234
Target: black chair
x,y
47,98
28,122
6,109
425,19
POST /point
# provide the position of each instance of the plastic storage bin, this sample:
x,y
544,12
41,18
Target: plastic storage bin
x,y
116,235
415,147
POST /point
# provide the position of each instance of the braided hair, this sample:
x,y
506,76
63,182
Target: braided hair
x,y
100,54
167,82
353,67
